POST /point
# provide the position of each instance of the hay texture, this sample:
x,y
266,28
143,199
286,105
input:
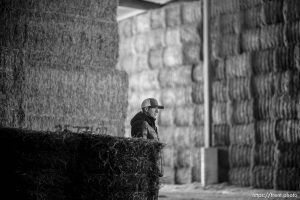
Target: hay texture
x,y
265,131
240,155
242,134
240,176
262,177
288,131
79,166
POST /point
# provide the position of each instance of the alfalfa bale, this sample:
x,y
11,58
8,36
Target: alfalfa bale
x,y
198,93
271,12
262,177
265,131
219,114
173,78
287,179
287,155
239,66
197,72
240,176
184,116
292,33
242,134
219,91
243,112
220,135
199,115
240,155
291,10
240,89
250,40
287,131
191,12
263,61
285,107
263,154
263,85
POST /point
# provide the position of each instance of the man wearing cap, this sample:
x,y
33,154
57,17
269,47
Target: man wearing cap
x,y
143,123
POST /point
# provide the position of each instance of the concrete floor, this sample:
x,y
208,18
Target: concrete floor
x,y
221,191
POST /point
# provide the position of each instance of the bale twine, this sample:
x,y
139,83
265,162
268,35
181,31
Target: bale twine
x,y
240,89
292,33
262,61
265,131
219,114
239,66
243,112
240,176
291,10
239,155
271,36
287,155
285,107
221,135
287,179
288,131
219,91
250,40
242,134
263,85
263,154
262,177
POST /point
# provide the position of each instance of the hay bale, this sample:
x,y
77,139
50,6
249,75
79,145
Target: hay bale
x,y
156,18
144,81
283,59
168,155
285,107
166,135
271,36
262,177
243,112
264,108
190,34
250,40
177,97
173,56
169,176
197,73
141,44
240,155
291,10
263,85
242,134
173,15
175,77
184,116
191,12
287,155
173,36
229,45
247,4
240,176
252,18
219,114
156,58
240,89
183,158
225,6
263,154
220,135
287,131
219,91
183,175
141,23
197,137
125,28
287,179
262,61
230,23
156,39
265,131
239,66
166,118
199,115
219,70
197,93
271,12
292,33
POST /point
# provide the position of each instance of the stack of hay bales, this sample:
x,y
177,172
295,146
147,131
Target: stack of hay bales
x,y
259,41
161,52
49,165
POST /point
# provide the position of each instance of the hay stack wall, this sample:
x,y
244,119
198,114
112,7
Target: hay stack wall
x,y
161,52
57,65
256,47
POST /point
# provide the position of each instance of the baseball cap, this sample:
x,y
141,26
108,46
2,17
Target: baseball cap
x,y
151,102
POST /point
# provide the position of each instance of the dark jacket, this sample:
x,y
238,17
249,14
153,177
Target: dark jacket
x,y
143,126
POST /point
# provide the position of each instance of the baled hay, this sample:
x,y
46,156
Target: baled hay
x,y
271,12
287,83
262,61
242,134
240,176
198,93
219,115
262,177
243,112
240,155
230,23
291,10
219,91
252,18
221,135
228,45
199,115
264,108
287,155
224,6
263,154
297,57
250,40
239,66
292,33
287,179
219,70
248,4
285,107
240,89
271,36
288,131
263,85
283,59
265,131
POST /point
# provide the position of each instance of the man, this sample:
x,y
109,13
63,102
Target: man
x,y
143,123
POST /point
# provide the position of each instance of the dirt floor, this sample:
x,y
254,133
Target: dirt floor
x,y
221,191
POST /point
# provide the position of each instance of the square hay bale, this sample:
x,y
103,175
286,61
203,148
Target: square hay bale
x,y
230,45
144,81
156,18
242,134
271,12
156,58
199,115
184,116
239,66
288,131
285,107
173,36
219,70
263,85
264,108
166,117
141,43
173,56
64,165
291,10
167,135
240,176
265,131
291,33
192,54
220,135
125,28
283,59
263,154
197,72
219,113
262,177
173,78
169,175
240,155
156,39
231,23
251,40
142,23
198,93
177,97
247,4
297,57
287,155
252,17
219,91
183,137
191,12
173,15
183,158
197,137
224,6
243,112
287,179
263,61
240,89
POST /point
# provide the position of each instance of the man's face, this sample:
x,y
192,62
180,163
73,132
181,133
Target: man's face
x,y
153,112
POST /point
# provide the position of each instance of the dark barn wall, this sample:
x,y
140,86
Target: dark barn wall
x,y
57,65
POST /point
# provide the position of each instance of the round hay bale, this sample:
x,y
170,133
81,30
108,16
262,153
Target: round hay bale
x,y
262,61
250,40
292,33
239,66
219,115
221,135
242,134
243,112
262,177
240,89
219,91
291,10
263,85
265,131
239,155
271,36
199,115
